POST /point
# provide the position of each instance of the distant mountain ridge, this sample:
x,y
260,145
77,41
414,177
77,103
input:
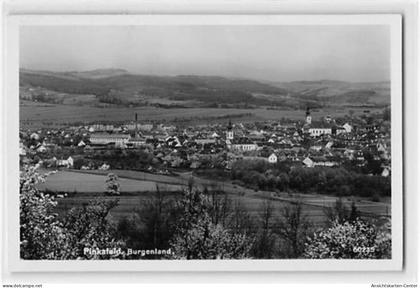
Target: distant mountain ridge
x,y
340,91
118,86
90,74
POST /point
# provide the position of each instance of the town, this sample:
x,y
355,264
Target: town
x,y
359,143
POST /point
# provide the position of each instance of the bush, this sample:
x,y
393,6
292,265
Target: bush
x,y
197,237
44,236
356,240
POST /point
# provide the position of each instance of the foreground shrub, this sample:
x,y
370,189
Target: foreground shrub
x,y
197,237
356,240
43,235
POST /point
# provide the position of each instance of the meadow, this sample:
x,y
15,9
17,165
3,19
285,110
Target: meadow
x,y
140,187
128,204
72,182
34,115
83,187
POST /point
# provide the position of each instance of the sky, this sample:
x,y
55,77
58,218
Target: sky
x,y
272,53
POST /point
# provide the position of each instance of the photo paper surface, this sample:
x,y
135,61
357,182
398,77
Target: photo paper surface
x,y
209,143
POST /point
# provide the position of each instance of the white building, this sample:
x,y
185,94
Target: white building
x,y
65,162
315,132
272,158
243,147
41,149
22,149
136,142
308,162
104,167
347,127
34,136
386,172
329,145
105,138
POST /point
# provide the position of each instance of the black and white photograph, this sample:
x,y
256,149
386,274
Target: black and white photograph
x,y
211,140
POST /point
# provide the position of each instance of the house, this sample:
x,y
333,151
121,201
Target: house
x,y
22,149
359,156
338,130
68,163
34,136
282,157
349,154
272,158
308,162
173,141
381,147
386,172
347,127
81,144
104,167
41,149
329,145
316,148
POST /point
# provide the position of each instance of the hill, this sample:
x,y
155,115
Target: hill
x,y
115,86
119,87
340,92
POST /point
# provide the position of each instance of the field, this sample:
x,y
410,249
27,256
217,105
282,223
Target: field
x,y
67,181
129,203
34,115
138,187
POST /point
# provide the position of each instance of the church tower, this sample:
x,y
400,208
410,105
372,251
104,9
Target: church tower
x,y
229,132
308,117
136,121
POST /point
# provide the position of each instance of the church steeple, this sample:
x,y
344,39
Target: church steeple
x,y
229,132
135,120
308,119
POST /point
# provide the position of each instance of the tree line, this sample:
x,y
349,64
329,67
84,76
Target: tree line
x,y
261,175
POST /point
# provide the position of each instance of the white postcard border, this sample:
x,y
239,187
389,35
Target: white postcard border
x,y
11,114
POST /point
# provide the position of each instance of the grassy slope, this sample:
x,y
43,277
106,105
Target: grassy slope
x,y
87,184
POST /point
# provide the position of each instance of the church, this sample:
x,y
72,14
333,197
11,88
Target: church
x,y
241,144
322,127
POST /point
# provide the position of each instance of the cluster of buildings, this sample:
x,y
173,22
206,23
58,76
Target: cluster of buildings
x,y
311,143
